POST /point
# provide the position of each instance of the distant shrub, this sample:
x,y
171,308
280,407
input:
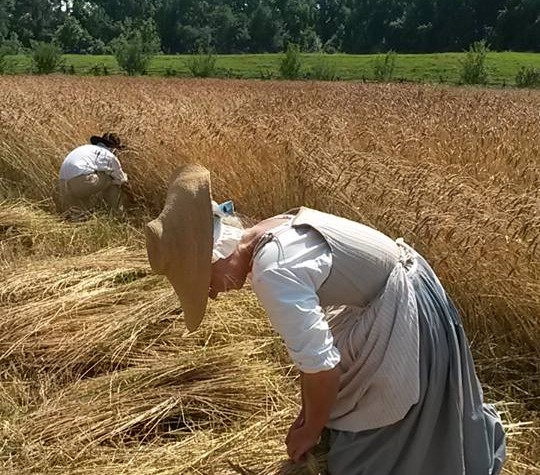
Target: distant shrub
x,y
202,64
291,64
473,67
3,60
96,69
229,73
266,74
384,66
528,77
170,72
46,57
131,56
64,69
135,47
323,69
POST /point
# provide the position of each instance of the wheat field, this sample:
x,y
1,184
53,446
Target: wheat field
x,y
97,372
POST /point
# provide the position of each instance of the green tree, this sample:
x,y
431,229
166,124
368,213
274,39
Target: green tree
x,y
6,11
73,38
453,25
185,25
226,26
518,26
413,31
265,30
135,10
11,44
331,20
96,21
230,32
299,18
168,18
485,17
367,26
36,20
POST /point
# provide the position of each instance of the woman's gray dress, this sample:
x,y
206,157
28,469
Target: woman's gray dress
x,y
409,402
449,431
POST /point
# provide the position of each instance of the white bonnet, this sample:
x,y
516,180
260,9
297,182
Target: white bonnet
x,y
227,230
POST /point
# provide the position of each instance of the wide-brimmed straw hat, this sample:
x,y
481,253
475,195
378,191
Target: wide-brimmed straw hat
x,y
179,241
109,139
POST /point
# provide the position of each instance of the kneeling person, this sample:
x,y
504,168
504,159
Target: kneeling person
x,y
93,170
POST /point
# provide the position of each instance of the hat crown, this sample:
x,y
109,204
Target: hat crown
x,y
112,139
109,139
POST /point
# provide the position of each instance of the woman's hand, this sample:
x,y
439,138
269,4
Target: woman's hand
x,y
305,432
300,440
299,422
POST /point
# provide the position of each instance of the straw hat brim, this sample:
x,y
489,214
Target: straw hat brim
x,y
179,241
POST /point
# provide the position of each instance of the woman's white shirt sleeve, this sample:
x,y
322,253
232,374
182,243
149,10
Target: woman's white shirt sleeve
x,y
286,274
119,176
106,161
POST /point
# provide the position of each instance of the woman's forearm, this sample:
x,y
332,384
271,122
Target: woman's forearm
x,y
319,393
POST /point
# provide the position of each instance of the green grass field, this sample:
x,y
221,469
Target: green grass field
x,y
441,67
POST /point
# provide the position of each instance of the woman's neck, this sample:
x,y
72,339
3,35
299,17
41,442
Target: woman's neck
x,y
252,235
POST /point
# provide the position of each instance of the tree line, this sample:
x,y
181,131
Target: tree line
x,y
259,26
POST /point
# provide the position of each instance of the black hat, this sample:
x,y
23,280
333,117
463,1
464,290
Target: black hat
x,y
110,140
